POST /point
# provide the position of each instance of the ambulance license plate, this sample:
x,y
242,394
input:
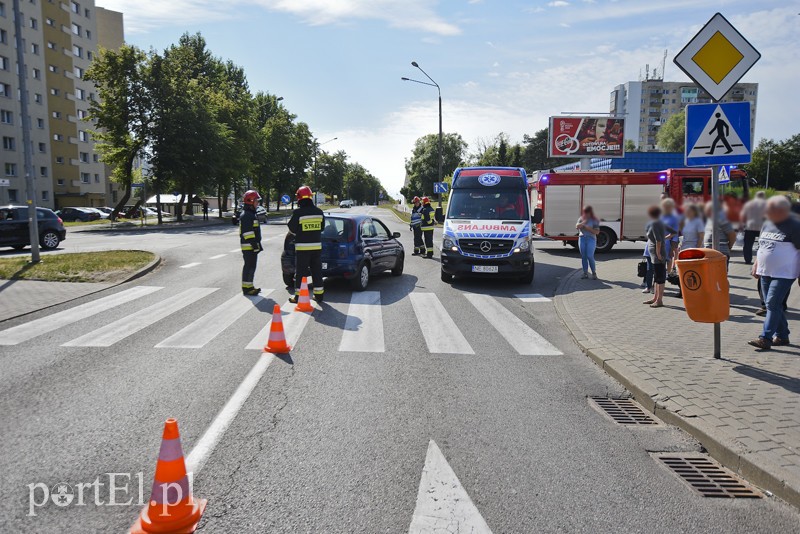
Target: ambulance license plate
x,y
485,269
324,266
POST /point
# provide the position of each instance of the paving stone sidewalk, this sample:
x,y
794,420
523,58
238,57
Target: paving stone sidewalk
x,y
20,297
745,408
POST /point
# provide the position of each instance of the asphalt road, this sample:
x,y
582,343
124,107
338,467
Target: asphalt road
x,y
330,440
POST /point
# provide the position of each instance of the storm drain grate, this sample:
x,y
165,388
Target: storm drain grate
x,y
624,411
708,478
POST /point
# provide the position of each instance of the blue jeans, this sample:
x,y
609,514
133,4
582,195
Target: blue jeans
x,y
648,276
775,291
587,245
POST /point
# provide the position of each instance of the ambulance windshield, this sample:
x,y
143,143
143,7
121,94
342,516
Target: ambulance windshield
x,y
480,204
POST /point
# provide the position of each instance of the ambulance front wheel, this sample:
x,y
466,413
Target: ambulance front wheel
x,y
527,279
446,278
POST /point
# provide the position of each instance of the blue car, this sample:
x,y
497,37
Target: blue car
x,y
354,247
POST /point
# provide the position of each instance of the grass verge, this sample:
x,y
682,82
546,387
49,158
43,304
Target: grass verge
x,y
107,267
90,223
403,215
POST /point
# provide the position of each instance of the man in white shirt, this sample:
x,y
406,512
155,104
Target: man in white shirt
x,y
753,214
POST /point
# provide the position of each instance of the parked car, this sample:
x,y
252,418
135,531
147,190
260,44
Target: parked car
x,y
355,247
108,211
78,214
346,204
15,232
101,213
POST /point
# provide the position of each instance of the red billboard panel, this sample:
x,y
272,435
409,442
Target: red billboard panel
x,y
587,137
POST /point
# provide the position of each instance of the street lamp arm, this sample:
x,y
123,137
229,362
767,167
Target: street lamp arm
x,y
427,76
421,82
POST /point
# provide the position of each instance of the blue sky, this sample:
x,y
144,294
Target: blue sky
x,y
504,65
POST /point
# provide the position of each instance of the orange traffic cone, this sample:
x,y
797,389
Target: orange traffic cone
x,y
277,337
304,302
172,508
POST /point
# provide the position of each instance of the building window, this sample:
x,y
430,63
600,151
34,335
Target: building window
x,y
87,13
60,181
89,35
35,49
34,24
76,30
80,94
97,178
51,45
85,178
6,117
9,143
37,74
4,63
37,98
11,169
79,72
83,136
77,51
55,92
40,123
82,114
3,37
95,158
13,196
56,114
76,7
58,137
60,160
2,9
52,68
43,148
84,156
45,196
89,56
5,90
50,22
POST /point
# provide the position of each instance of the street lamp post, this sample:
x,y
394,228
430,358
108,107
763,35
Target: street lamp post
x,y
769,157
441,134
317,145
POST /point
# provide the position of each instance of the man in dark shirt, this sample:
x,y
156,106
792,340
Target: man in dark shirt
x,y
306,225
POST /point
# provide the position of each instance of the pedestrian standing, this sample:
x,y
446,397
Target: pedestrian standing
x,y
306,225
205,210
672,226
416,227
428,221
753,214
250,238
693,228
657,245
588,227
777,267
727,235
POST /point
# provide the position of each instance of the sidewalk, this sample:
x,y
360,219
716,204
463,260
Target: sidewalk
x,y
745,408
20,297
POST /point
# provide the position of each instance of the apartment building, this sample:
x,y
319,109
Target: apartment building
x,y
647,105
61,40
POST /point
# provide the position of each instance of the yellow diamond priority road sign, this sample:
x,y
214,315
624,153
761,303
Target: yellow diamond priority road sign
x,y
717,57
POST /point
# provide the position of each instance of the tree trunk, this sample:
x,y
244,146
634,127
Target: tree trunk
x,y
179,208
158,208
127,185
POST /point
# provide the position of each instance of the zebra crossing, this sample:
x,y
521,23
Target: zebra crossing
x,y
362,331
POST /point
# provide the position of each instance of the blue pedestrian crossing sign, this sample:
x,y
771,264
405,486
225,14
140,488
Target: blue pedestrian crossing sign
x,y
286,199
718,134
440,187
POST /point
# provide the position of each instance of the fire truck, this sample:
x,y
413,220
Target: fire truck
x,y
620,200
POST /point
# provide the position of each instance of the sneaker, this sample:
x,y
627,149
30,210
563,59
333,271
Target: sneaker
x,y
762,312
584,276
594,276
647,290
760,343
780,342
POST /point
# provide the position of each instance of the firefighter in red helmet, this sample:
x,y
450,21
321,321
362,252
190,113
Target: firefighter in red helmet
x,y
250,238
306,225
416,227
428,220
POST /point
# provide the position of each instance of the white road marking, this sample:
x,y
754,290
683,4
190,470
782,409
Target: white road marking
x,y
190,265
130,324
363,329
234,251
38,327
205,446
443,505
438,328
532,297
293,325
198,334
523,338
218,256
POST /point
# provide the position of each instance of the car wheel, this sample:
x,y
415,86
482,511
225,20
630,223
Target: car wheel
x,y
527,279
361,281
288,279
399,265
19,247
605,240
446,277
50,240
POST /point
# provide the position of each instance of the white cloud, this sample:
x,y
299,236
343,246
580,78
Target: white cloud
x,y
419,15
558,3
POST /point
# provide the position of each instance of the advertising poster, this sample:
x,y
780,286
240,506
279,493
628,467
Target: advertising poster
x,y
586,137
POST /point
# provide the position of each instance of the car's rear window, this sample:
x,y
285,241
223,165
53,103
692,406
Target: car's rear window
x,y
336,229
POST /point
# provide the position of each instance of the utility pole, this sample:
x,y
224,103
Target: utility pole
x,y
769,157
33,220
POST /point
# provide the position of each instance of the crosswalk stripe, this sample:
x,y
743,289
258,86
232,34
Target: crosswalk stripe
x,y
293,325
203,330
129,325
234,251
523,338
439,330
363,329
218,256
190,265
532,297
38,327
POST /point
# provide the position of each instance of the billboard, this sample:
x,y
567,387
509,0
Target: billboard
x,y
586,137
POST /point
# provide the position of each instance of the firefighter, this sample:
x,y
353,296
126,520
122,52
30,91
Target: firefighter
x,y
250,238
416,226
306,225
428,221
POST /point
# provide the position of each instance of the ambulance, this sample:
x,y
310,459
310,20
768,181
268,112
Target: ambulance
x,y
488,226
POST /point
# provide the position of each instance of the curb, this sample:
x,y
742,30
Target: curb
x,y
740,463
147,269
150,228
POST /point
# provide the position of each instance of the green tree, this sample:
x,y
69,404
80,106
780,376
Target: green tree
x,y
423,166
630,146
331,170
122,113
671,137
534,152
783,158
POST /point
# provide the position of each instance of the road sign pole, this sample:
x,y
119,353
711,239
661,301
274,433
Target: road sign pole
x,y
715,238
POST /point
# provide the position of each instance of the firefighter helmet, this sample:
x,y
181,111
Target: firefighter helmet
x,y
251,198
416,199
304,192
426,200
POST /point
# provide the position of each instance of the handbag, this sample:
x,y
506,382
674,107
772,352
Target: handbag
x,y
641,269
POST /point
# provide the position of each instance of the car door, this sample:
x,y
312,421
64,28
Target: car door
x,y
18,226
389,247
7,227
373,247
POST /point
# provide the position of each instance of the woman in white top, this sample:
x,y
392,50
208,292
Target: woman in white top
x,y
693,228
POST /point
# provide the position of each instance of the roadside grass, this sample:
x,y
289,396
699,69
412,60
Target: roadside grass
x,y
90,223
108,267
402,214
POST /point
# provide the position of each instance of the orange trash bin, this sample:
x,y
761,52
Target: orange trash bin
x,y
704,284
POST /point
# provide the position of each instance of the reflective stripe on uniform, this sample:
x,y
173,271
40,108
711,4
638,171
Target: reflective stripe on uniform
x,y
246,246
249,235
427,228
308,246
319,291
246,285
256,224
